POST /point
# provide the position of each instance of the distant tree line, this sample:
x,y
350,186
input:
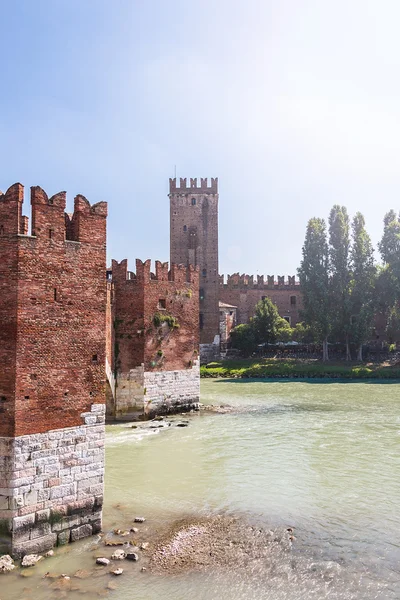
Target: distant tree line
x,y
343,288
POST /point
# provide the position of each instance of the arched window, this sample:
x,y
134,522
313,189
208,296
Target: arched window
x,y
185,228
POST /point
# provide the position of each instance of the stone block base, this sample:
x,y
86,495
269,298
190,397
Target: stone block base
x,y
51,486
149,393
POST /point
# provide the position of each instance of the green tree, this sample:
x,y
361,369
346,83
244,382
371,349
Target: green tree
x,y
302,333
389,246
393,325
243,339
314,281
284,331
340,281
363,280
266,322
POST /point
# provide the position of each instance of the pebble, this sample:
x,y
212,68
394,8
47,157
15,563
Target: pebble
x,y
6,563
139,520
134,529
117,571
49,553
118,555
132,556
102,561
144,546
30,559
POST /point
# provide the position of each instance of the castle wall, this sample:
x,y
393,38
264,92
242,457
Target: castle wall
x,y
194,240
156,332
244,293
53,356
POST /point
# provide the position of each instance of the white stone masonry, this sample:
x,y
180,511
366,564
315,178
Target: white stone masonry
x,y
51,485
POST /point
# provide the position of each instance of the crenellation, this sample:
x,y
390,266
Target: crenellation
x,y
183,188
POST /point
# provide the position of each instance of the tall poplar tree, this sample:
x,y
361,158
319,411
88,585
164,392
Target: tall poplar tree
x,y
363,275
388,284
314,281
339,254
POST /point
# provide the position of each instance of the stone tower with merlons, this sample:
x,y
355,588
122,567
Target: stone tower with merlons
x,y
194,240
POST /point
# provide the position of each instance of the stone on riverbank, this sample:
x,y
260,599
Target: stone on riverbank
x,y
132,556
30,560
6,563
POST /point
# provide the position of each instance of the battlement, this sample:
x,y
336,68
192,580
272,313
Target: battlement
x,y
49,220
183,188
248,282
144,275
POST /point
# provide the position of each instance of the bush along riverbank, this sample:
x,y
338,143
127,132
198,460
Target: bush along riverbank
x,y
296,369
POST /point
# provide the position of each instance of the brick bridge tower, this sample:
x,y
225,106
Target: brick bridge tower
x,y
194,240
52,376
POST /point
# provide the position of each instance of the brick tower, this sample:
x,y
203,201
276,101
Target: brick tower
x,y
52,376
194,240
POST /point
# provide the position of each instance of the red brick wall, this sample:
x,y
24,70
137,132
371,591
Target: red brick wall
x,y
10,219
58,345
243,293
137,300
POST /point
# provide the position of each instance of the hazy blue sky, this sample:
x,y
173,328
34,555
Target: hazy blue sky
x,y
293,104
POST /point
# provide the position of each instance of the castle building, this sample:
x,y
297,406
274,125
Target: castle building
x,y
52,376
155,357
194,241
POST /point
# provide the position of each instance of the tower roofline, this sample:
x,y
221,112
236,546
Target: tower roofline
x,y
183,188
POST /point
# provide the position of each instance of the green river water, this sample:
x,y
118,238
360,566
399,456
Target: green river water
x,y
322,458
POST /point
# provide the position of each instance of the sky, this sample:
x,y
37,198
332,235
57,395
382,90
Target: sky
x,y
294,105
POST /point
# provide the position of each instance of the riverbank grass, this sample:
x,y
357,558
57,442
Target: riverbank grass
x,y
272,368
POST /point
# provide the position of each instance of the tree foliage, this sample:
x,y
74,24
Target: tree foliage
x,y
242,337
340,276
363,302
314,281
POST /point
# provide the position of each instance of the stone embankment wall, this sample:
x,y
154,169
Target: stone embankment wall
x,y
152,393
51,486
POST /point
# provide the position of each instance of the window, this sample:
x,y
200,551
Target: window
x,y
55,294
204,272
293,300
201,294
162,303
94,358
51,233
185,228
263,297
201,320
1,229
193,201
288,319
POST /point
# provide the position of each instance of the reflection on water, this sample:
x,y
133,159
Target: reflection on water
x,y
321,458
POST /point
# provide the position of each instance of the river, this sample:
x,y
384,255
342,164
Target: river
x,y
321,458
